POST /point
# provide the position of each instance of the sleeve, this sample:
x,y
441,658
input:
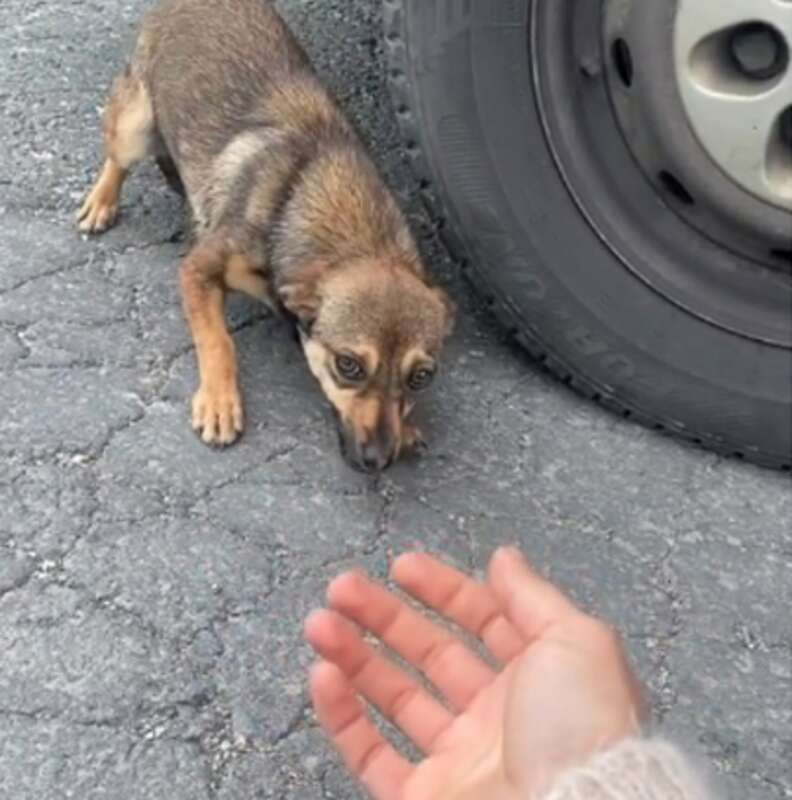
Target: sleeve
x,y
637,769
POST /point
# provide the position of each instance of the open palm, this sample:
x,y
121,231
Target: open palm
x,y
561,690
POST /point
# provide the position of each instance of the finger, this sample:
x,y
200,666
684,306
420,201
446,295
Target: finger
x,y
400,699
455,670
531,603
466,602
367,754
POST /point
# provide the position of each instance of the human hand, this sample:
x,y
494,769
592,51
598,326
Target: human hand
x,y
563,691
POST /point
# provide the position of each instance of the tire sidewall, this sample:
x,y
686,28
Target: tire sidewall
x,y
466,84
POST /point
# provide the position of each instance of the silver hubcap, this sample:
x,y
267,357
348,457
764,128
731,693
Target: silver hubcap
x,y
734,71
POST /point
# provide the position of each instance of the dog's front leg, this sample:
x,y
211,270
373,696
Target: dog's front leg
x,y
217,405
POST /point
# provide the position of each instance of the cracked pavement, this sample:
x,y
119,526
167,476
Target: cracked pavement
x,y
152,590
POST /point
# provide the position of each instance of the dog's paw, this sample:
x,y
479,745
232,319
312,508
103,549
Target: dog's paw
x,y
413,442
217,415
99,211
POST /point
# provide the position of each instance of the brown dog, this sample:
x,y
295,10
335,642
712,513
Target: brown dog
x,y
287,207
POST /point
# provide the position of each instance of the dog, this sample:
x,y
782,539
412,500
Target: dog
x,y
287,207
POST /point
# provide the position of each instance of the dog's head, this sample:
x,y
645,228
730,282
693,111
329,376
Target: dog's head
x,y
372,334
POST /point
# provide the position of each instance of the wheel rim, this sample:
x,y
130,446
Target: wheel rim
x,y
626,148
732,65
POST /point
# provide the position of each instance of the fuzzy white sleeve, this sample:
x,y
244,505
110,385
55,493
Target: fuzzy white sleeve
x,y
638,769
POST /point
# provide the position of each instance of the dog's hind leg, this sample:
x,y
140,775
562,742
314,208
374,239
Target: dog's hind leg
x,y
129,136
171,174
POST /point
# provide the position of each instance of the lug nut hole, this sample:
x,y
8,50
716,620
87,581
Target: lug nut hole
x,y
675,188
622,61
782,255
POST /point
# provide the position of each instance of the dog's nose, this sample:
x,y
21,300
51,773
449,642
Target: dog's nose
x,y
373,458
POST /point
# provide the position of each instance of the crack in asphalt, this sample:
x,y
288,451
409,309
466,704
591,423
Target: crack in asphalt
x,y
62,270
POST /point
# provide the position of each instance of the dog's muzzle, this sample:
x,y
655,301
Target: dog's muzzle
x,y
373,455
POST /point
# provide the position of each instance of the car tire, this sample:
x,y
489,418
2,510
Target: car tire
x,y
476,133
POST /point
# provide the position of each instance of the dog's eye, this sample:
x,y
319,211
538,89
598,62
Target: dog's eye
x,y
350,368
420,379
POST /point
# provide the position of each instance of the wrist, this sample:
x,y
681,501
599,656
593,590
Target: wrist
x,y
649,769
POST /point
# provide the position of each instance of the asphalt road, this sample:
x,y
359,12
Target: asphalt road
x,y
152,591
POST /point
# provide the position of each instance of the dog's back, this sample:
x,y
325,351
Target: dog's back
x,y
228,73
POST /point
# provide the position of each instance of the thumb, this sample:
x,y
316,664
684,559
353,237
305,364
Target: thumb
x,y
530,602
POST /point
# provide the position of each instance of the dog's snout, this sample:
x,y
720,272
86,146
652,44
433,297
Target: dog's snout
x,y
372,441
373,458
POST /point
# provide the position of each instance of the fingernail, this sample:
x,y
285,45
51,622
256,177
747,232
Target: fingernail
x,y
312,617
515,563
408,566
512,552
341,579
398,563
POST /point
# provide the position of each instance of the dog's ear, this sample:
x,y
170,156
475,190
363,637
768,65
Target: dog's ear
x,y
300,295
301,300
450,309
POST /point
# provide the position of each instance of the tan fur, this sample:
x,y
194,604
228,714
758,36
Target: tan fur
x,y
362,412
242,276
287,207
129,138
131,124
412,358
217,406
100,209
